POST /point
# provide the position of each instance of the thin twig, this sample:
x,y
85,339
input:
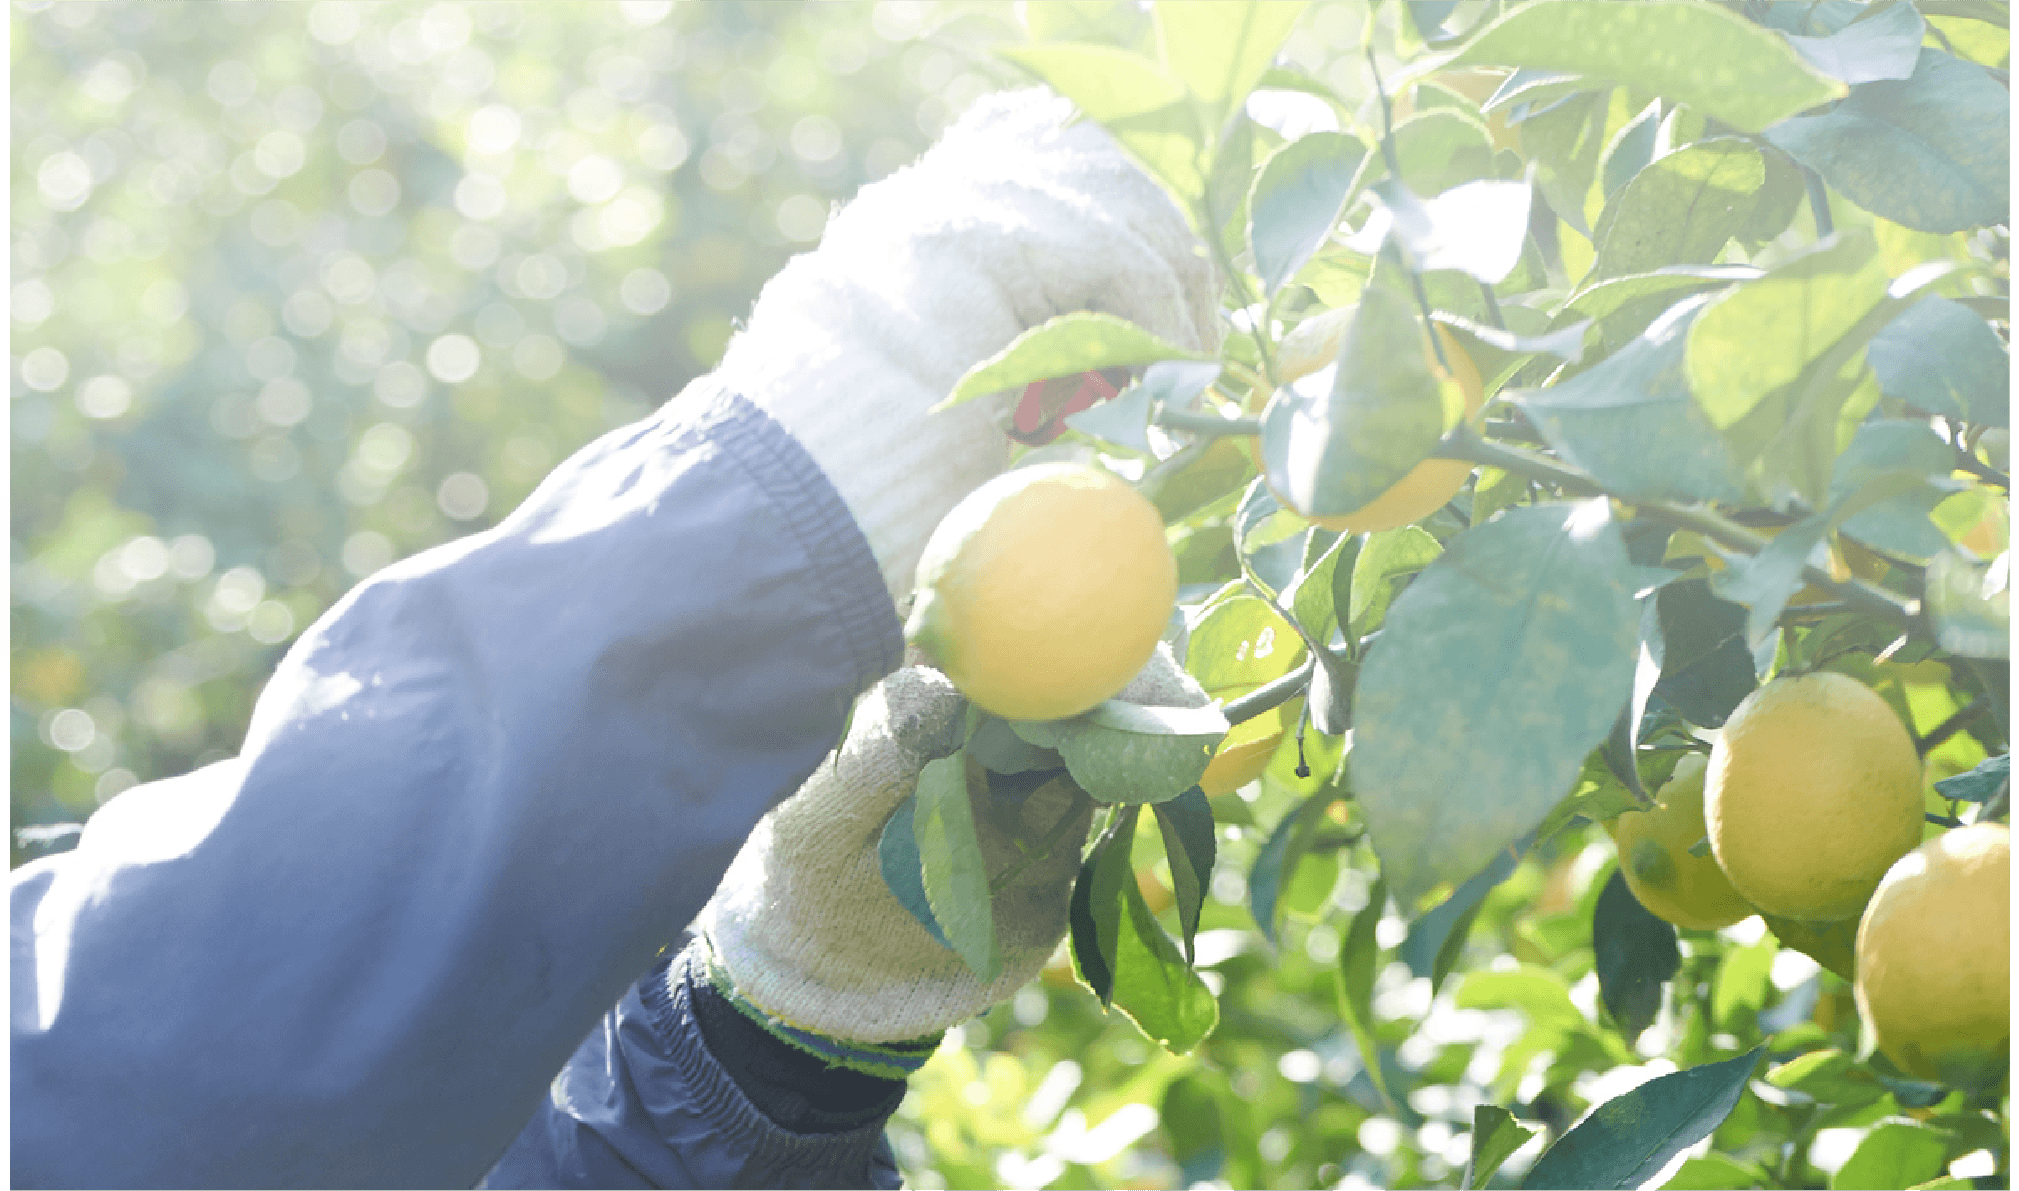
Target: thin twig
x,y
1955,723
1271,695
1466,444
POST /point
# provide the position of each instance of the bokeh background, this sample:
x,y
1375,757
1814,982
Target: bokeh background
x,y
300,289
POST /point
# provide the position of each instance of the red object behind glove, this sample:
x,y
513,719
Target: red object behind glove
x,y
1041,415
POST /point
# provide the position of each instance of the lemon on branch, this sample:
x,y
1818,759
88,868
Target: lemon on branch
x,y
1813,791
1934,956
1431,483
1045,591
1654,856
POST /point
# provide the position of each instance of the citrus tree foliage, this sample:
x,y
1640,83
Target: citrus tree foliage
x,y
1734,276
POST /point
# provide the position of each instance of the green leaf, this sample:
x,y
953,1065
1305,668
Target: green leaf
x,y
1083,341
1483,342
999,749
1828,1075
1899,470
1389,554
1743,984
1314,597
1599,797
903,871
1296,200
955,875
1359,963
1154,987
1706,668
1781,344
1437,936
1563,142
1122,420
1277,862
1495,1137
1440,149
1220,51
1634,953
1627,1140
1680,210
1883,45
1335,441
1195,1127
1972,606
1098,21
1528,93
1330,696
1765,582
1187,826
1630,151
1631,421
1978,784
1239,644
1714,1172
1129,753
1499,669
1263,533
1624,306
1146,111
1693,53
1895,1154
1940,357
1932,153
1104,82
1095,912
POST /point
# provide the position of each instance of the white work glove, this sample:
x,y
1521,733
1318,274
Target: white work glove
x,y
805,937
1015,216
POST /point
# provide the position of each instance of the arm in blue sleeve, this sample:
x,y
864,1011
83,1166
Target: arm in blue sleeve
x,y
476,799
649,1100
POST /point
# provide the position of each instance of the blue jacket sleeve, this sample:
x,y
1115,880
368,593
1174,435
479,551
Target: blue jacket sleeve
x,y
476,800
645,1103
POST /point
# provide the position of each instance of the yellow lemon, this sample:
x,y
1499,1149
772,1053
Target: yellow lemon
x,y
1654,856
1934,957
1430,484
1813,791
1045,591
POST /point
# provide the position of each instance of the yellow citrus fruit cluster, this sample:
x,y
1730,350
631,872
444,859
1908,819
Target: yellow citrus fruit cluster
x,y
1430,484
1654,856
1045,591
1813,791
1934,957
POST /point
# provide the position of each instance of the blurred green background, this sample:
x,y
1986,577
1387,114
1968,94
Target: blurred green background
x,y
300,289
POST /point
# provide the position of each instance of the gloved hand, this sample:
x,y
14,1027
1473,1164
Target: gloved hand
x,y
805,937
1015,216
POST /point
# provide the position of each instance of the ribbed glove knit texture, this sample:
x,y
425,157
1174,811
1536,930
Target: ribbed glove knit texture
x,y
812,940
1015,216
